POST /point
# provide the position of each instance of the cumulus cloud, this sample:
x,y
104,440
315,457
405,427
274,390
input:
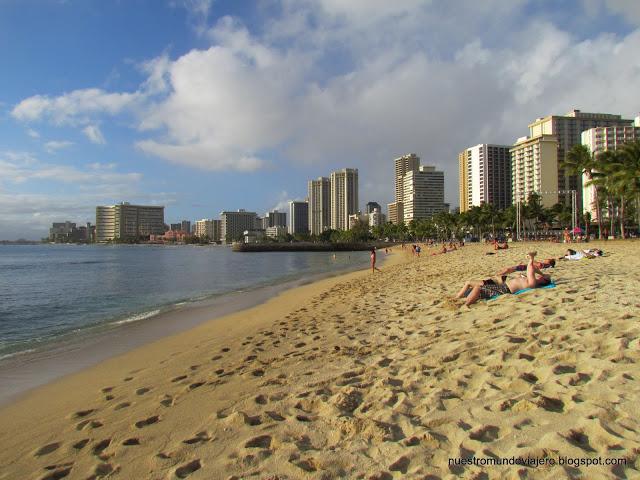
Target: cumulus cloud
x,y
74,192
32,133
73,108
94,134
20,167
336,84
54,145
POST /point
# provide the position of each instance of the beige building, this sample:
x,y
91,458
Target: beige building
x,y
208,227
534,168
404,164
598,140
568,129
463,181
344,197
126,221
234,224
485,176
423,192
319,205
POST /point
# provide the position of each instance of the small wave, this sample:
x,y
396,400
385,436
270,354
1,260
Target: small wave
x,y
13,354
137,318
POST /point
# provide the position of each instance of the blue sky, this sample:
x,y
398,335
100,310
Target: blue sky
x,y
205,105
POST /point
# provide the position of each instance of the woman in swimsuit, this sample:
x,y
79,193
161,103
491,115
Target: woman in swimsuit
x,y
486,289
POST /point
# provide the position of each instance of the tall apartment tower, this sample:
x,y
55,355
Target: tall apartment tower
x,y
208,227
233,224
298,218
485,176
276,218
404,164
598,140
344,197
534,168
423,193
568,130
319,205
126,221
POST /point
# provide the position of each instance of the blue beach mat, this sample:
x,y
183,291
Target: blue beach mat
x,y
551,285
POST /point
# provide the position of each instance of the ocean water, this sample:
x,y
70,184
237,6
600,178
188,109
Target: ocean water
x,y
55,292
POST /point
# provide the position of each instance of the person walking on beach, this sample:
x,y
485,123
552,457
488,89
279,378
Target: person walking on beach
x,y
373,261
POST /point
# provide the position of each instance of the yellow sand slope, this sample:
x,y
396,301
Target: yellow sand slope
x,y
363,376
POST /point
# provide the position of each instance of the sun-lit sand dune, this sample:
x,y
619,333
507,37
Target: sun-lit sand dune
x,y
372,376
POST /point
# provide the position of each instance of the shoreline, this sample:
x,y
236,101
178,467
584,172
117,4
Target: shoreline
x,y
24,371
363,376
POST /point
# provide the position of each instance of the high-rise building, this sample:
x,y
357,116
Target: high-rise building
x,y
568,130
371,206
598,140
463,180
404,164
209,228
423,193
176,227
534,169
126,221
276,218
298,218
485,176
234,224
319,205
376,218
185,226
344,197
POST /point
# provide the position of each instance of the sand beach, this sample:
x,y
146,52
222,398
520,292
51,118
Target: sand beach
x,y
365,376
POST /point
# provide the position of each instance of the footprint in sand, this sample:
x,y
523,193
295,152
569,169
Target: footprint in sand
x,y
142,391
121,405
47,449
79,445
99,447
199,437
178,378
58,474
185,470
129,442
147,421
487,433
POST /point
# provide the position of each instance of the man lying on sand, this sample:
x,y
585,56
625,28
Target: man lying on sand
x,y
588,253
522,267
488,288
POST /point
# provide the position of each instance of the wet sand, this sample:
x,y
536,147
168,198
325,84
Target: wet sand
x,y
373,376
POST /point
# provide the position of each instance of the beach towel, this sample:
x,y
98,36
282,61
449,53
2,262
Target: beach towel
x,y
550,285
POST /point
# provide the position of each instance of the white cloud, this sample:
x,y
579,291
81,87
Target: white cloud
x,y
94,134
55,145
335,84
20,167
73,108
282,203
32,133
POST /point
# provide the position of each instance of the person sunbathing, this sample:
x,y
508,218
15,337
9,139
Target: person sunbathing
x,y
522,267
500,245
579,255
489,288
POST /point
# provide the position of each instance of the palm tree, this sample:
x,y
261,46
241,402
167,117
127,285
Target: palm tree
x,y
581,161
630,174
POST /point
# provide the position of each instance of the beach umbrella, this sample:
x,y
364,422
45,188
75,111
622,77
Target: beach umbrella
x,y
577,230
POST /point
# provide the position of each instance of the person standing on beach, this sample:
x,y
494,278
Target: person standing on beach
x,y
373,260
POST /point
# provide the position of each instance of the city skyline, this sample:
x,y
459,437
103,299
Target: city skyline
x,y
102,103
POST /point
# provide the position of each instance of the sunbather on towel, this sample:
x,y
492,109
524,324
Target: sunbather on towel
x,y
490,287
522,267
